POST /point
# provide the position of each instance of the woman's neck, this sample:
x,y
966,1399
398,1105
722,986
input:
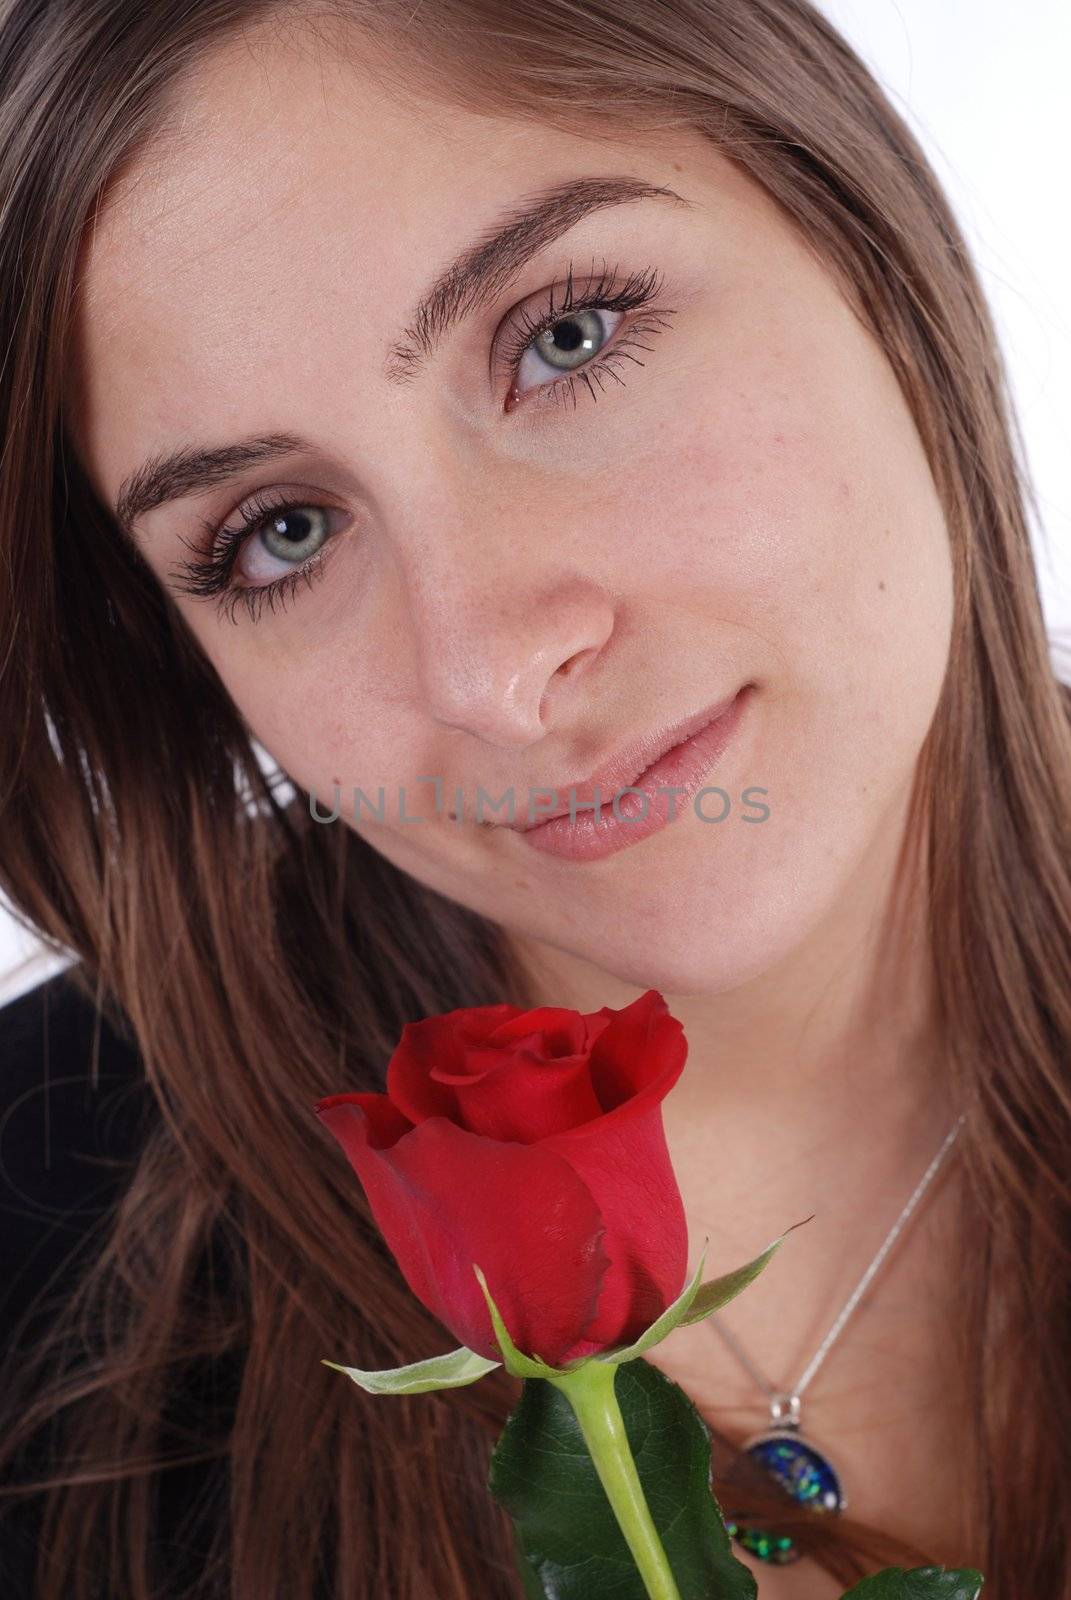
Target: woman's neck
x,y
835,1037
819,1087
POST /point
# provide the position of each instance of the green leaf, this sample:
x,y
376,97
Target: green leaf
x,y
542,1473
919,1583
448,1371
719,1291
533,1589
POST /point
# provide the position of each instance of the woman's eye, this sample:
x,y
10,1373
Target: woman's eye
x,y
289,536
567,345
577,338
282,541
278,543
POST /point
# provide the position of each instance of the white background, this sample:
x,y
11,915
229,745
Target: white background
x,y
984,84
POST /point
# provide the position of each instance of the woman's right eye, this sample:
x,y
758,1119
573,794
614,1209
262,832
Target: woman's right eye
x,y
293,533
286,529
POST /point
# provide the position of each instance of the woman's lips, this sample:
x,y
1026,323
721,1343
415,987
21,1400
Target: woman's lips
x,y
581,835
628,766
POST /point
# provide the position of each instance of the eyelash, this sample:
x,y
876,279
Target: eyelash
x,y
641,289
211,574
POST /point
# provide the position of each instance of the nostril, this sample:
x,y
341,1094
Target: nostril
x,y
568,669
571,666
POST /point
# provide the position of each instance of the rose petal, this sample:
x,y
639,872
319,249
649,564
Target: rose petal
x,y
623,1159
386,1123
625,1165
560,1032
444,1199
524,1098
633,1047
435,1045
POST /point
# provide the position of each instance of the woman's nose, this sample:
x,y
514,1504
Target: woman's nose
x,y
501,654
499,586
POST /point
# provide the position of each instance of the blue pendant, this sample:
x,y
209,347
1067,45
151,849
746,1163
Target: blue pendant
x,y
804,1472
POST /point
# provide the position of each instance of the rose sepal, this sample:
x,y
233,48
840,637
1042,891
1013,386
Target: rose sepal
x,y
449,1371
514,1360
456,1368
697,1300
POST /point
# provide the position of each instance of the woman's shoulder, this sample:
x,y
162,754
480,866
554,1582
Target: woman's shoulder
x,y
73,1109
60,1004
74,1115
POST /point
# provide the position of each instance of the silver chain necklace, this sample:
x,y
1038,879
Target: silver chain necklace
x,y
803,1470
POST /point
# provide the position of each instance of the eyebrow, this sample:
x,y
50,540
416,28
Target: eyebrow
x,y
476,277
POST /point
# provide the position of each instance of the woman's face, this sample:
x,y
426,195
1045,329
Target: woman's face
x,y
517,556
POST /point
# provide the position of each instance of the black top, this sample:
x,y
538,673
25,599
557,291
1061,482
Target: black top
x,y
67,1150
59,1132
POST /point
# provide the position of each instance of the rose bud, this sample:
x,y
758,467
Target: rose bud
x,y
531,1144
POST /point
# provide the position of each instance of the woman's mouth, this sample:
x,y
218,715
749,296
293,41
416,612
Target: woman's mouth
x,y
589,825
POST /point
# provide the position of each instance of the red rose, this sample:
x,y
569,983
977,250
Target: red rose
x,y
530,1143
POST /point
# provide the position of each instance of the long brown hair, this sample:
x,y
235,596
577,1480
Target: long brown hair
x,y
262,960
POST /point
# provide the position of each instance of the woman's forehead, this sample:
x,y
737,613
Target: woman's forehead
x,y
293,151
286,219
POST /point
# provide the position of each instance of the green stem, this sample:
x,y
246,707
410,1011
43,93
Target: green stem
x,y
590,1392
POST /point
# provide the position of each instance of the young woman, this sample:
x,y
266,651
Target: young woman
x,y
464,398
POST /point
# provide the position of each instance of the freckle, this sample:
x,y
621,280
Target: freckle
x,y
881,583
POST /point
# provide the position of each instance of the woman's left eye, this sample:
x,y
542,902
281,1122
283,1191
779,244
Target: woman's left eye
x,y
567,345
572,341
